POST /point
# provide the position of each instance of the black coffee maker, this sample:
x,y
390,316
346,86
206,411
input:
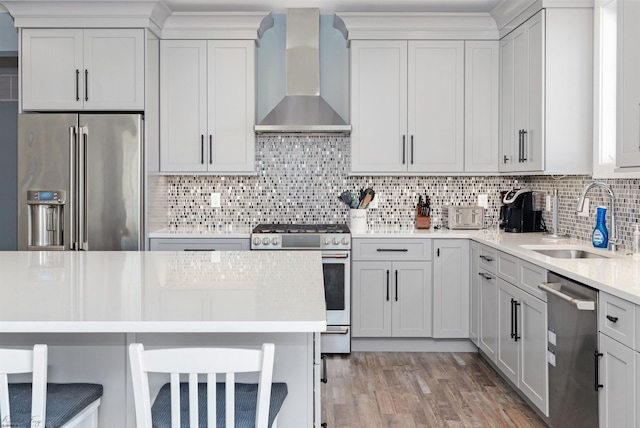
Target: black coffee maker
x,y
519,212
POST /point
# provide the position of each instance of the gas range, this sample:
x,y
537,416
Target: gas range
x,y
301,237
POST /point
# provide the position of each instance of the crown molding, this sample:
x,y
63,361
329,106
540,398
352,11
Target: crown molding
x,y
217,25
509,14
87,14
416,26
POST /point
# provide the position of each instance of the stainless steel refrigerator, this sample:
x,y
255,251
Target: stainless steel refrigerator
x,y
80,181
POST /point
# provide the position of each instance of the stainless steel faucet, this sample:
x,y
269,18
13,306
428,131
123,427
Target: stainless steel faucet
x,y
613,240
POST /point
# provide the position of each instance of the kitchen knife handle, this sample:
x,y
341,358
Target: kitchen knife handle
x,y
412,150
524,146
210,149
387,285
396,285
86,85
202,149
77,85
597,383
404,149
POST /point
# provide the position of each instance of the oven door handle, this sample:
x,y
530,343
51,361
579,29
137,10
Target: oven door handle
x,y
335,256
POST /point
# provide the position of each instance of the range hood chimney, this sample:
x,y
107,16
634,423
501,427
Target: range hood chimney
x,y
303,109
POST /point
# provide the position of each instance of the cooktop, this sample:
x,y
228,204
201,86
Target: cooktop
x,y
301,228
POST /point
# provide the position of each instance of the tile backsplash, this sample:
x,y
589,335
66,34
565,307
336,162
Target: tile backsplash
x,y
299,178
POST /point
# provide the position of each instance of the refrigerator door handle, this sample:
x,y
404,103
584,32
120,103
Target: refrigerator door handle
x,y
72,188
82,191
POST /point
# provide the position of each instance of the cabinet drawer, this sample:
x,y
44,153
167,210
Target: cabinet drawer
x,y
176,244
391,249
530,276
616,318
508,267
488,258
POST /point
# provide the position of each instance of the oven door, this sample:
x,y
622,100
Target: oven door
x,y
336,266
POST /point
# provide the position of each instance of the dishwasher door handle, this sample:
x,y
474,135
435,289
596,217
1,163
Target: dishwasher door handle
x,y
582,305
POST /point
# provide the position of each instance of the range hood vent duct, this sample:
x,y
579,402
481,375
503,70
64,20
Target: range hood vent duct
x,y
303,109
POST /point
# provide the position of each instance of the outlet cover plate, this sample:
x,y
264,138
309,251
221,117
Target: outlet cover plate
x,y
483,201
215,200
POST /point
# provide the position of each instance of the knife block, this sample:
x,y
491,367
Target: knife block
x,y
422,222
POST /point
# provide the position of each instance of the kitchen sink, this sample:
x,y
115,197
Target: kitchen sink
x,y
572,254
569,252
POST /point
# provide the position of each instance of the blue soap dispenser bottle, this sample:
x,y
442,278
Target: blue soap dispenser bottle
x,y
600,235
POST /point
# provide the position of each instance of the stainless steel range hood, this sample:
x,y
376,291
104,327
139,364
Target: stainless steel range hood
x,y
303,109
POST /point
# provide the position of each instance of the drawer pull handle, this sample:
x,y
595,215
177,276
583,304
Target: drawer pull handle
x,y
612,319
390,250
485,275
486,258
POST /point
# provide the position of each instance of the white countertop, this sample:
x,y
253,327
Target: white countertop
x,y
202,232
99,291
618,275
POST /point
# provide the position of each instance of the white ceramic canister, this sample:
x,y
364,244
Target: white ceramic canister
x,y
358,221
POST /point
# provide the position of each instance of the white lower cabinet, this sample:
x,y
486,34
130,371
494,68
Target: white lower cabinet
x,y
391,299
474,294
618,376
513,322
521,357
488,339
450,288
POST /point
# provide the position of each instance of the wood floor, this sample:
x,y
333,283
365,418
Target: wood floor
x,y
406,390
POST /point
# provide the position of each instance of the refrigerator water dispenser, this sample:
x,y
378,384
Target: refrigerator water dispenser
x,y
46,219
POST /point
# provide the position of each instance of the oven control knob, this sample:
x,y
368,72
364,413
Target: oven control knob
x,y
327,241
265,241
274,241
257,241
345,241
335,241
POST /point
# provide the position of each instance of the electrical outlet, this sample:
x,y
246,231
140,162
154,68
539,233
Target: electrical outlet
x,y
483,201
215,200
585,209
547,204
374,202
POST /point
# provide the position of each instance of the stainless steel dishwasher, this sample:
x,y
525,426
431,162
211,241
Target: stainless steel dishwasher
x,y
572,356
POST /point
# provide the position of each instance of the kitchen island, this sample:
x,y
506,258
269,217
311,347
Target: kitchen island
x,y
89,306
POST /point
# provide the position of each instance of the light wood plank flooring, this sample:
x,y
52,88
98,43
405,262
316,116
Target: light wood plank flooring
x,y
406,390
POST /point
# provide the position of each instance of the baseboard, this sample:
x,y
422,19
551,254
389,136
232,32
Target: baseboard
x,y
394,344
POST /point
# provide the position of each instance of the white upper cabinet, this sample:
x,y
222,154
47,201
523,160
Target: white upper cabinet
x,y
207,97
628,84
378,106
436,106
407,106
481,106
546,105
75,69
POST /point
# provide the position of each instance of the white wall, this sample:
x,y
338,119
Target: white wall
x,y
8,35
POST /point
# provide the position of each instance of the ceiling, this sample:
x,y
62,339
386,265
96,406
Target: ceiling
x,y
330,6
